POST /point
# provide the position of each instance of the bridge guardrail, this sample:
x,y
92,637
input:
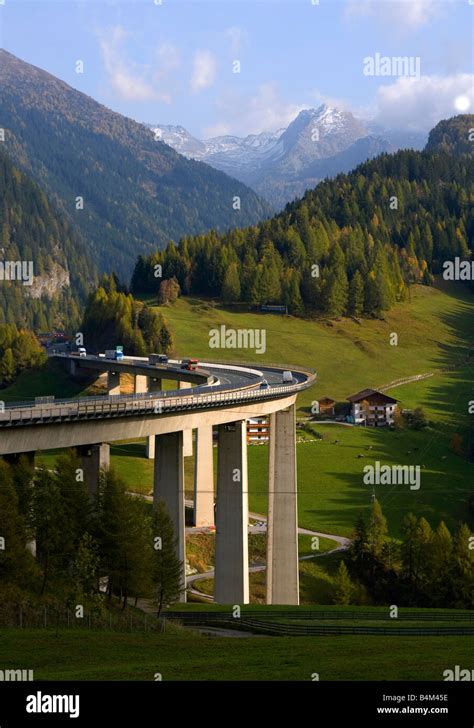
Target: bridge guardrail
x,y
126,405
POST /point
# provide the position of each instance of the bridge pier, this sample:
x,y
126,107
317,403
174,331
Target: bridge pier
x,y
94,458
140,384
168,486
231,584
154,385
76,371
150,447
187,434
282,525
203,478
113,383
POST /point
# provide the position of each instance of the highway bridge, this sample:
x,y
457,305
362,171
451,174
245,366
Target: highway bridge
x,y
215,395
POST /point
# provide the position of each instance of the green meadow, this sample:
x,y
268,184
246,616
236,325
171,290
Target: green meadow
x,y
181,654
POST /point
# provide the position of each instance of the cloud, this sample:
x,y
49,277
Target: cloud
x,y
132,81
263,111
169,56
204,70
407,13
237,37
419,104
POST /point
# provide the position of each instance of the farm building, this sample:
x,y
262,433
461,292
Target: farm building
x,y
326,406
372,408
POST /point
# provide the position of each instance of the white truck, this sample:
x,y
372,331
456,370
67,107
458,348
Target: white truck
x,y
116,354
287,378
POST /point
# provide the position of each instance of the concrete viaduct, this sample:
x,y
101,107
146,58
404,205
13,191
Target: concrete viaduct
x,y
222,396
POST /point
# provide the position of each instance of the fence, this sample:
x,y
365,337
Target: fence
x,y
343,614
49,618
266,622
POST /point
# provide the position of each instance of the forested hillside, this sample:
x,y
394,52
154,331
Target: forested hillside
x,y
351,246
137,193
33,231
112,317
19,349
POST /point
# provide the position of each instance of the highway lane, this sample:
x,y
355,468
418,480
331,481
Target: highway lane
x,y
215,385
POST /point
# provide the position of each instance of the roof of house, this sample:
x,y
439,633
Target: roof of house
x,y
366,393
327,400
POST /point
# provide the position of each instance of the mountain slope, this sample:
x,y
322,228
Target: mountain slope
x,y
353,245
455,136
137,192
33,232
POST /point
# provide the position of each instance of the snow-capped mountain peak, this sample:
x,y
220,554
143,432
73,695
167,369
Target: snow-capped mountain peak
x,y
280,165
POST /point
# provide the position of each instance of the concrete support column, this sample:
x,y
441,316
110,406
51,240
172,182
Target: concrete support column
x,y
113,383
154,385
78,372
168,487
150,447
203,478
141,384
187,434
231,584
94,458
282,527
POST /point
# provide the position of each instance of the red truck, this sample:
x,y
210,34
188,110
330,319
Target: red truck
x,y
189,364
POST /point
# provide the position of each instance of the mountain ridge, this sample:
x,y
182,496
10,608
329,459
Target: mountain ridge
x,y
281,165
137,191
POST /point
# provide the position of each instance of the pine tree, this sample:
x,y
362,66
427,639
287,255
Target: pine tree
x,y
7,367
48,519
167,568
122,537
359,551
336,286
377,530
462,569
442,547
343,587
292,296
86,565
13,536
356,295
231,285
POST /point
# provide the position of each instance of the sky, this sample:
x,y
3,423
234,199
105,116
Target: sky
x,y
176,61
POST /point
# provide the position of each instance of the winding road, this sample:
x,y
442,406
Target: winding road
x,y
343,544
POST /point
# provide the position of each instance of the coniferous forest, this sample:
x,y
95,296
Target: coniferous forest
x,y
112,315
351,246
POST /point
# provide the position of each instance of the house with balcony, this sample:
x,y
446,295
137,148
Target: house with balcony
x,y
372,408
258,430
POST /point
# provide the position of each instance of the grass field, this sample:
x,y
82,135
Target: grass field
x,y
330,477
434,331
185,655
435,335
